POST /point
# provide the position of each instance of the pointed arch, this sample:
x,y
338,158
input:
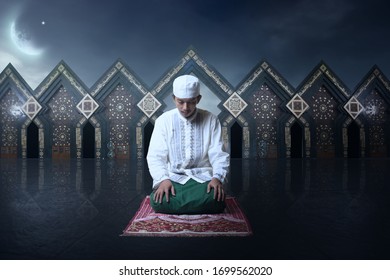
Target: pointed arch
x,y
297,138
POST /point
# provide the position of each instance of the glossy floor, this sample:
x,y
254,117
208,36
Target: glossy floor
x,y
299,209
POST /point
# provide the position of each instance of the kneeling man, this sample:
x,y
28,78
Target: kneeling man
x,y
186,156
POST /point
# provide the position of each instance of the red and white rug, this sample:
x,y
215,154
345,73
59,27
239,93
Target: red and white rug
x,y
146,222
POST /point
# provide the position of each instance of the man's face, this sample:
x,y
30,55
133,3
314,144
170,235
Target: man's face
x,y
186,106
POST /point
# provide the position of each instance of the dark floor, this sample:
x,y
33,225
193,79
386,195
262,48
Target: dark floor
x,y
299,209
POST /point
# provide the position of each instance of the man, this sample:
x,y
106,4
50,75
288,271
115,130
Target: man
x,y
186,156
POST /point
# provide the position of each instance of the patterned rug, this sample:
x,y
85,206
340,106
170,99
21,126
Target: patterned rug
x,y
148,223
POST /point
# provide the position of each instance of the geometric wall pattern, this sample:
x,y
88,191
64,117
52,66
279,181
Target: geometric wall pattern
x,y
235,104
353,107
9,114
323,111
376,115
87,106
119,107
297,106
270,118
31,108
149,105
265,110
62,115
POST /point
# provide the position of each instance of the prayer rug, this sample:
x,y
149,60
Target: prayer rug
x,y
146,222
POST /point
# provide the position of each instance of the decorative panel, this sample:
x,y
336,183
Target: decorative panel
x,y
119,112
62,106
354,107
31,108
87,106
61,135
149,105
323,106
297,106
10,113
375,108
265,111
323,111
63,115
375,111
235,105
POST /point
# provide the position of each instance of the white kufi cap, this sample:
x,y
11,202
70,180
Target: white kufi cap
x,y
186,86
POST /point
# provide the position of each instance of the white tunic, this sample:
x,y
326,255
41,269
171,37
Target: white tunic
x,y
182,148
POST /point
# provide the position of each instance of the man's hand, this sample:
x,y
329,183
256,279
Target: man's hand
x,y
215,184
165,187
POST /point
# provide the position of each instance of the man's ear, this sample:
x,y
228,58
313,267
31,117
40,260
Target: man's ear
x,y
199,98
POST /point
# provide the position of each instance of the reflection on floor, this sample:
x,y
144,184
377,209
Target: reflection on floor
x,y
299,209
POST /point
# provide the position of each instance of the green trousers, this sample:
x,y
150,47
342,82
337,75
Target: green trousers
x,y
190,198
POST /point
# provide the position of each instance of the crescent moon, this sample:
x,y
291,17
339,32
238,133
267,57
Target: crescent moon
x,y
22,43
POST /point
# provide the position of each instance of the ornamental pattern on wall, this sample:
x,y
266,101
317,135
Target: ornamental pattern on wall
x,y
266,132
323,110
119,112
62,106
149,104
87,106
297,106
377,135
323,106
119,104
9,136
235,105
375,108
62,112
61,135
324,135
10,108
265,111
31,107
10,113
119,135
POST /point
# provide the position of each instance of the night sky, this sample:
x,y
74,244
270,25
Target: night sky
x,y
151,36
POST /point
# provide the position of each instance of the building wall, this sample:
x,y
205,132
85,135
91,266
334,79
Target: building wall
x,y
263,117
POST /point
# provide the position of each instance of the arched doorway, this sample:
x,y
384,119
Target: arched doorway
x,y
296,140
353,132
236,141
88,141
32,141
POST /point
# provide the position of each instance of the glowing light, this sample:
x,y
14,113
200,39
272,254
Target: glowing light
x,y
23,42
15,110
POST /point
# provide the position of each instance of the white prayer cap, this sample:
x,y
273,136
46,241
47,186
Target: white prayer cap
x,y
186,86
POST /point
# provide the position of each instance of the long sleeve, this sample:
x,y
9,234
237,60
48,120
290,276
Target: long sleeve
x,y
157,157
219,158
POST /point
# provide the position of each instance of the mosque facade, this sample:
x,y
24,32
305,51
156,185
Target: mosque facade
x,y
263,117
